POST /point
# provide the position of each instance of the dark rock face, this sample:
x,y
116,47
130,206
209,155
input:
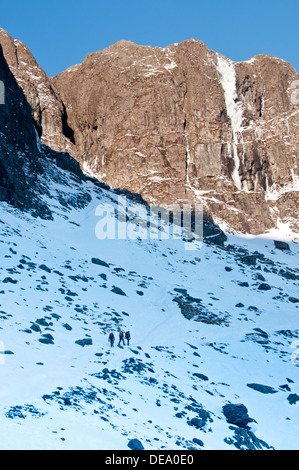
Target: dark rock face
x,y
19,163
25,163
48,112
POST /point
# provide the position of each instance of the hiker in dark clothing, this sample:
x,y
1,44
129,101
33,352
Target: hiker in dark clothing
x,y
121,338
111,339
128,337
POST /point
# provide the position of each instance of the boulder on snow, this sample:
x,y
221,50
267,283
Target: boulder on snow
x,y
281,245
250,260
42,322
202,418
262,388
118,290
135,444
200,376
293,398
47,339
237,414
198,441
43,267
99,262
84,342
264,286
244,439
35,327
197,422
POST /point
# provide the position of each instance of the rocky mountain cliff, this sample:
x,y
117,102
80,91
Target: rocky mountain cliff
x,y
214,346
179,124
28,168
34,177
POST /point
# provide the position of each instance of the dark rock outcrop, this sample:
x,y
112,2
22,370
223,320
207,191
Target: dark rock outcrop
x,y
20,166
244,439
26,163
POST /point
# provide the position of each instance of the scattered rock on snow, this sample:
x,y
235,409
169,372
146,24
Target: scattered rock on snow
x,y
203,416
22,412
193,308
198,441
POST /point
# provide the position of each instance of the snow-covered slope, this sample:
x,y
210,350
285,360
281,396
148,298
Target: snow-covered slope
x,y
210,328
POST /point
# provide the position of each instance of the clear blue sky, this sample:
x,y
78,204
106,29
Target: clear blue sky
x,y
61,33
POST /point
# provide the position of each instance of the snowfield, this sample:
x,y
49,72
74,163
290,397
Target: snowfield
x,y
213,327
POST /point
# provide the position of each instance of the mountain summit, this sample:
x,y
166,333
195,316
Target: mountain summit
x,y
176,124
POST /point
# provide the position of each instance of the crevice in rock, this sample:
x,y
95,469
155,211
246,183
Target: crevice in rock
x,y
67,131
38,127
187,156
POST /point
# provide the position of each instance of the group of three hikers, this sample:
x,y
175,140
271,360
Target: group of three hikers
x,y
122,337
